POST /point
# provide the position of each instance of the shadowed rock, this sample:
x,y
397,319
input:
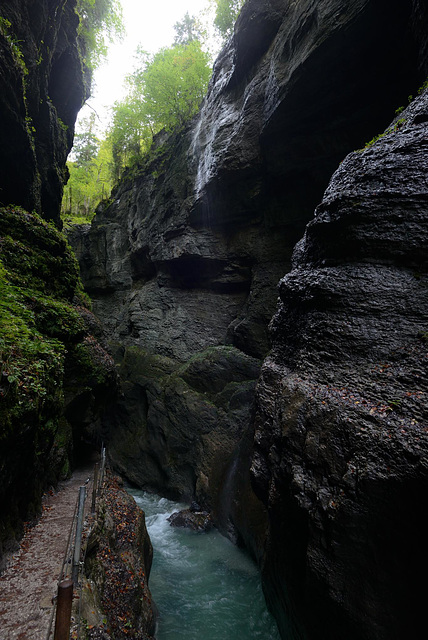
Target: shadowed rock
x,y
43,84
341,442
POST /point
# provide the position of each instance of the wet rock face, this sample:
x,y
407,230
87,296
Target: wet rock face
x,y
188,255
193,518
299,86
176,426
42,87
56,378
341,444
117,569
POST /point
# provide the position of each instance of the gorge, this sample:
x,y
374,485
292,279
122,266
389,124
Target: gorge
x,y
296,414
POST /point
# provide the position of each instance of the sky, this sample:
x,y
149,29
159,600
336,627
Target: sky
x,y
147,22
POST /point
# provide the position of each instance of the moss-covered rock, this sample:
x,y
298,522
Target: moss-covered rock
x,y
176,426
46,336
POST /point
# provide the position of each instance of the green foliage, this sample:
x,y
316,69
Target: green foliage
x,y
423,87
397,125
14,44
85,146
101,22
174,83
130,134
164,93
227,11
90,178
5,25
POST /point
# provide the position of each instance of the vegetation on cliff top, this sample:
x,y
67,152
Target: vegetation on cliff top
x,y
164,92
226,14
100,21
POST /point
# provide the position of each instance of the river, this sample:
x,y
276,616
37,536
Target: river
x,y
202,584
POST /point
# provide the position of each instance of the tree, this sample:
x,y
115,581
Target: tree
x,y
101,21
173,83
187,30
90,182
86,144
227,12
130,133
164,93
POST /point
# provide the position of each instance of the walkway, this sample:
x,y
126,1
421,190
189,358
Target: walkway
x,y
30,581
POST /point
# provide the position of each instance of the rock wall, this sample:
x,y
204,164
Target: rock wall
x,y
183,267
43,84
341,423
185,260
55,377
116,599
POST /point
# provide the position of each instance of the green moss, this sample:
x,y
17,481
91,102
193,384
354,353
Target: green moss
x,y
31,364
423,87
395,127
92,365
58,319
37,254
14,44
39,324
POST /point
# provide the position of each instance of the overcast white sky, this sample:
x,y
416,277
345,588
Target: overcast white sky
x,y
147,22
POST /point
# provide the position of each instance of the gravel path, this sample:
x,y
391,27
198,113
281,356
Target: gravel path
x,y
30,580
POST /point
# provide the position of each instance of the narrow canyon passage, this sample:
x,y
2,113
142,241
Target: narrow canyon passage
x,y
29,583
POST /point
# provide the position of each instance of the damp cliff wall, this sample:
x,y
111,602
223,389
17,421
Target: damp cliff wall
x,y
43,84
183,268
340,447
55,377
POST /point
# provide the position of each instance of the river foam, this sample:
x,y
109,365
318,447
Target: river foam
x,y
202,584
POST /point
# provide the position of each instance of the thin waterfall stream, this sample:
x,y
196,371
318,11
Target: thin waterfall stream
x,y
202,584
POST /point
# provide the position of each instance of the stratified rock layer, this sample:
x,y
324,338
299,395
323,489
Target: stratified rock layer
x,y
341,445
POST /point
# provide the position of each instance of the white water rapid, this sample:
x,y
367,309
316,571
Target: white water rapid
x,y
203,586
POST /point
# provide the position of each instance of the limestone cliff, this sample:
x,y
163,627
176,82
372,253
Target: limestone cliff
x,y
43,84
183,266
341,422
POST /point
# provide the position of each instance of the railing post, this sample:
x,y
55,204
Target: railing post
x,y
95,486
63,610
78,539
103,463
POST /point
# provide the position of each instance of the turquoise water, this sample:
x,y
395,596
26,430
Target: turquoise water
x,y
204,586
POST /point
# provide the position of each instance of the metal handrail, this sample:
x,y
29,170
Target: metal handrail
x,y
66,560
72,554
